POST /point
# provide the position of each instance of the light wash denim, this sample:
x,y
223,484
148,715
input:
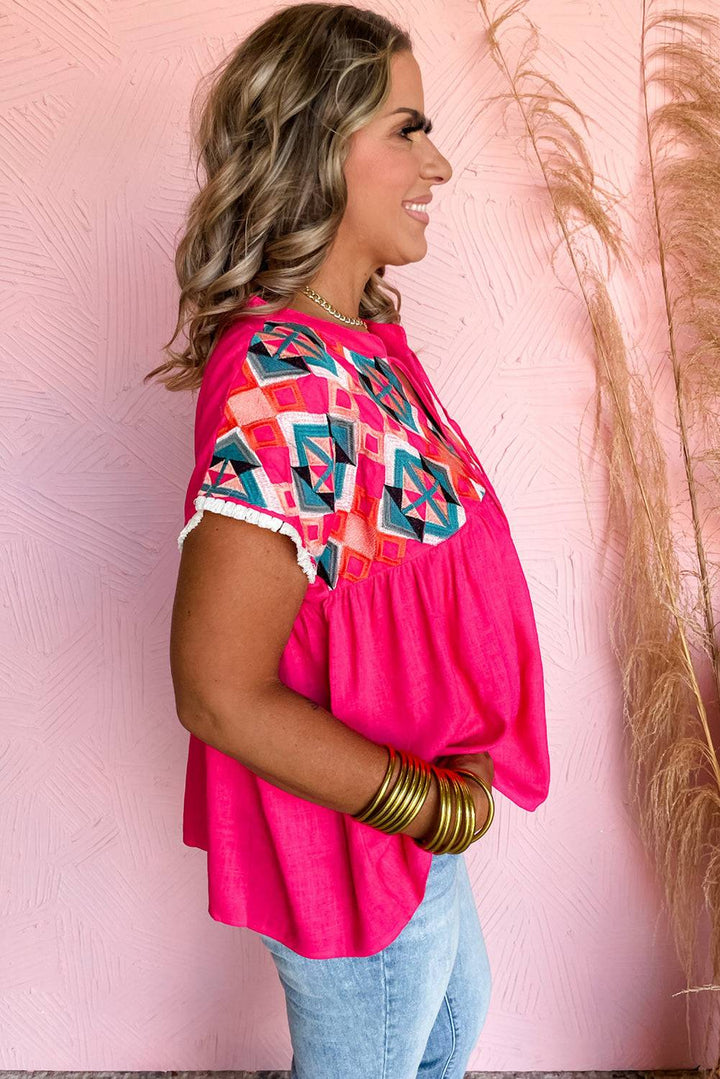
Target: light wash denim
x,y
414,1009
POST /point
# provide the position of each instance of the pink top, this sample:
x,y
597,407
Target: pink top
x,y
416,628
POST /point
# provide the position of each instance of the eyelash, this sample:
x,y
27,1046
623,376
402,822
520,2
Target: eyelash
x,y
427,128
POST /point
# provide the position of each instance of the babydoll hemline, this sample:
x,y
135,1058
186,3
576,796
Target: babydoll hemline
x,y
244,922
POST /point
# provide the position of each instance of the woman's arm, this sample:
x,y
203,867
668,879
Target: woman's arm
x,y
238,593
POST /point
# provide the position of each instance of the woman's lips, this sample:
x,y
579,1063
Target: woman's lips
x,y
418,217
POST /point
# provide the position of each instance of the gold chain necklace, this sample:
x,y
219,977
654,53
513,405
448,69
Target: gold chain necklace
x,y
333,310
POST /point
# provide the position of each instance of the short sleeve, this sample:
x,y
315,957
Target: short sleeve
x,y
270,449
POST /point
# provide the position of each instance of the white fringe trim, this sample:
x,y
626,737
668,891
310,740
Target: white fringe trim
x,y
255,516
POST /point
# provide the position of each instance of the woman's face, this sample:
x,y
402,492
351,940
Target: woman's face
x,y
387,167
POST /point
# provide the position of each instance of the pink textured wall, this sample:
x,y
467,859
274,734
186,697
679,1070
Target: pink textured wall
x,y
109,958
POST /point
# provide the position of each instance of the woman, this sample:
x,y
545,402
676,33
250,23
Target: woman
x,y
343,682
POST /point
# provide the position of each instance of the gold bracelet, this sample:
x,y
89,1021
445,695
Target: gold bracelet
x,y
435,840
461,817
407,795
392,810
375,801
383,817
466,836
491,802
453,832
444,843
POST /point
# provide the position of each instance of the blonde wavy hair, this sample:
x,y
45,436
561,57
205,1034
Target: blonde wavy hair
x,y
273,135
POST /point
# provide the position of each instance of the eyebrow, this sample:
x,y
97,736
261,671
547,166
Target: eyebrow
x,y
418,117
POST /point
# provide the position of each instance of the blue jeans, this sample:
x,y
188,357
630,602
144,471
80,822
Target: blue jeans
x,y
414,1009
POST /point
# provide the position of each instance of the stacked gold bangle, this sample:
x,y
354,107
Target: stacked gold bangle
x,y
392,811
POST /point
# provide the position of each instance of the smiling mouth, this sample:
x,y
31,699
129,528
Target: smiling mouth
x,y
422,217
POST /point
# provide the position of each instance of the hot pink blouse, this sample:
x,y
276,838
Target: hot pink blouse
x,y
416,628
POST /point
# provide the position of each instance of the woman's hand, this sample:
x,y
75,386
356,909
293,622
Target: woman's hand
x,y
481,765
